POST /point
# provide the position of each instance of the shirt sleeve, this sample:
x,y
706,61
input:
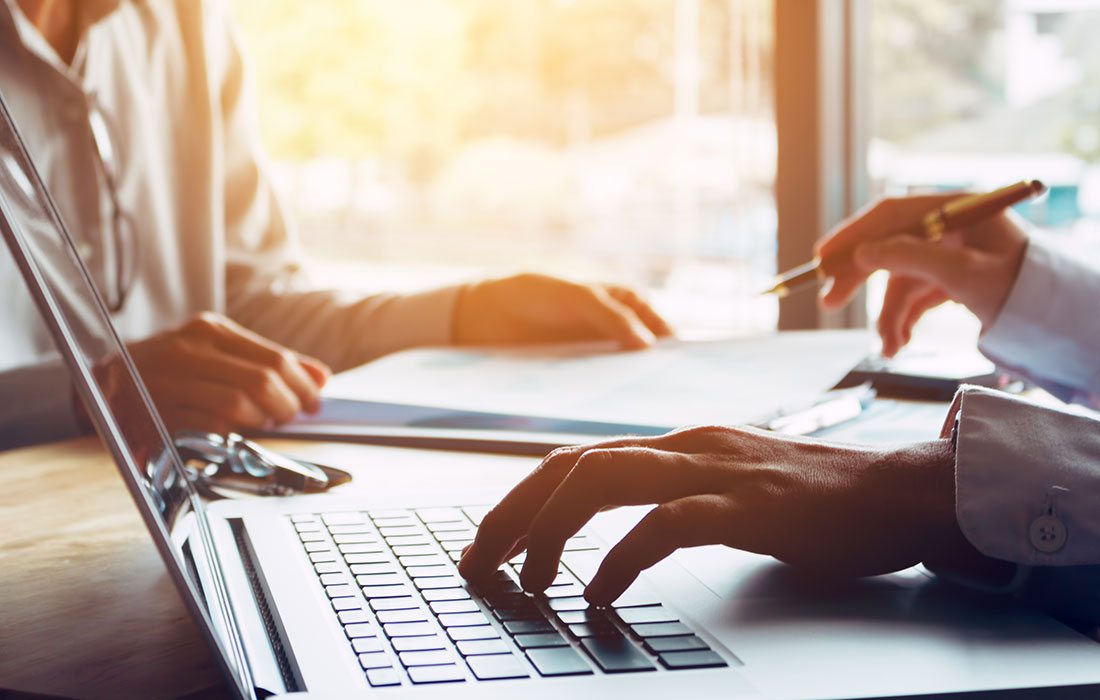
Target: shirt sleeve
x,y
267,288
1049,329
1027,479
44,411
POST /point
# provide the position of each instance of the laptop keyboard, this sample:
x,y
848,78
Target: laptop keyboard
x,y
411,619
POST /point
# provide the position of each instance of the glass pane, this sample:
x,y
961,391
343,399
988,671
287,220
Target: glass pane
x,y
423,141
981,93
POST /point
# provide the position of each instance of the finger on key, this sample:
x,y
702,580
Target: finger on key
x,y
601,478
686,522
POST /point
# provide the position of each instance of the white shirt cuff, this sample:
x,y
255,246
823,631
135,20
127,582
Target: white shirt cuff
x,y
1027,480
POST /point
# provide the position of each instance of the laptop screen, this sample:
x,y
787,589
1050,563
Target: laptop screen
x,y
114,395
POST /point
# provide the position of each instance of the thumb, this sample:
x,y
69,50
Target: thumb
x,y
924,260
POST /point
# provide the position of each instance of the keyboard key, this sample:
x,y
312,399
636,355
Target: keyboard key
x,y
401,603
342,591
379,677
335,579
564,578
583,631
374,659
427,658
636,596
566,604
387,513
372,569
445,594
616,654
429,571
540,641
457,526
422,560
453,606
348,617
362,548
477,647
528,626
677,660
568,591
399,531
475,513
455,545
414,550
303,518
367,644
455,556
319,557
312,536
521,612
316,546
366,557
343,518
418,643
408,540
661,629
340,604
650,613
438,515
580,617
308,526
380,580
579,543
558,661
350,529
436,674
360,629
372,592
583,564
497,667
409,629
469,619
356,538
463,634
690,642
328,567
413,615
431,582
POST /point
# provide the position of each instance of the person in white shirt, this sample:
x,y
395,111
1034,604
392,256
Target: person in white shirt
x,y
139,116
1007,492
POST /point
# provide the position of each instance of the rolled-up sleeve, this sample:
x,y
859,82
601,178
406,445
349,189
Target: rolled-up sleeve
x,y
1027,479
1049,327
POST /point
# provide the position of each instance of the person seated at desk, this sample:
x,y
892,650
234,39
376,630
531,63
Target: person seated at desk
x,y
139,116
1006,496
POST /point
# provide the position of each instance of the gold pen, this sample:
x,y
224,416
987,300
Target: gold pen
x,y
964,211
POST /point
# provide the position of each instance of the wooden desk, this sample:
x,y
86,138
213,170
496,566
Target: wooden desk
x,y
86,607
81,582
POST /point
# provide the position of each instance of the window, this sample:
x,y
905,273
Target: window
x,y
978,94
422,141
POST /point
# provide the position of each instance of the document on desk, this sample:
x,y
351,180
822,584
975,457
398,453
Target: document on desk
x,y
587,389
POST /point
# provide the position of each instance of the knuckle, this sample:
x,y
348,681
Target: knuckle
x,y
201,323
239,406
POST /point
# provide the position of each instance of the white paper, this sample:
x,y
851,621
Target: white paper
x,y
734,381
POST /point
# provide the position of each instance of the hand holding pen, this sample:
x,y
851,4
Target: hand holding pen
x,y
937,248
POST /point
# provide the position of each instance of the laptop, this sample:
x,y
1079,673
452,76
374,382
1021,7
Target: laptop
x,y
357,594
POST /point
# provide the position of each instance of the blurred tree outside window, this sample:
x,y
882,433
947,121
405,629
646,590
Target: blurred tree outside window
x,y
422,141
975,94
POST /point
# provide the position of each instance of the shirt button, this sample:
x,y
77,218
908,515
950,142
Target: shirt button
x,y
1047,534
85,251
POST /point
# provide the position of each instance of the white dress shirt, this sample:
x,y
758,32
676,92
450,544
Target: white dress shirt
x,y
168,79
1028,476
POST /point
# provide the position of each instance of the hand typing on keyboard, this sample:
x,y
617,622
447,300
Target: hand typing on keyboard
x,y
845,510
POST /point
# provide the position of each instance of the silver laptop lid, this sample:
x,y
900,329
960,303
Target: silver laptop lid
x,y
115,397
